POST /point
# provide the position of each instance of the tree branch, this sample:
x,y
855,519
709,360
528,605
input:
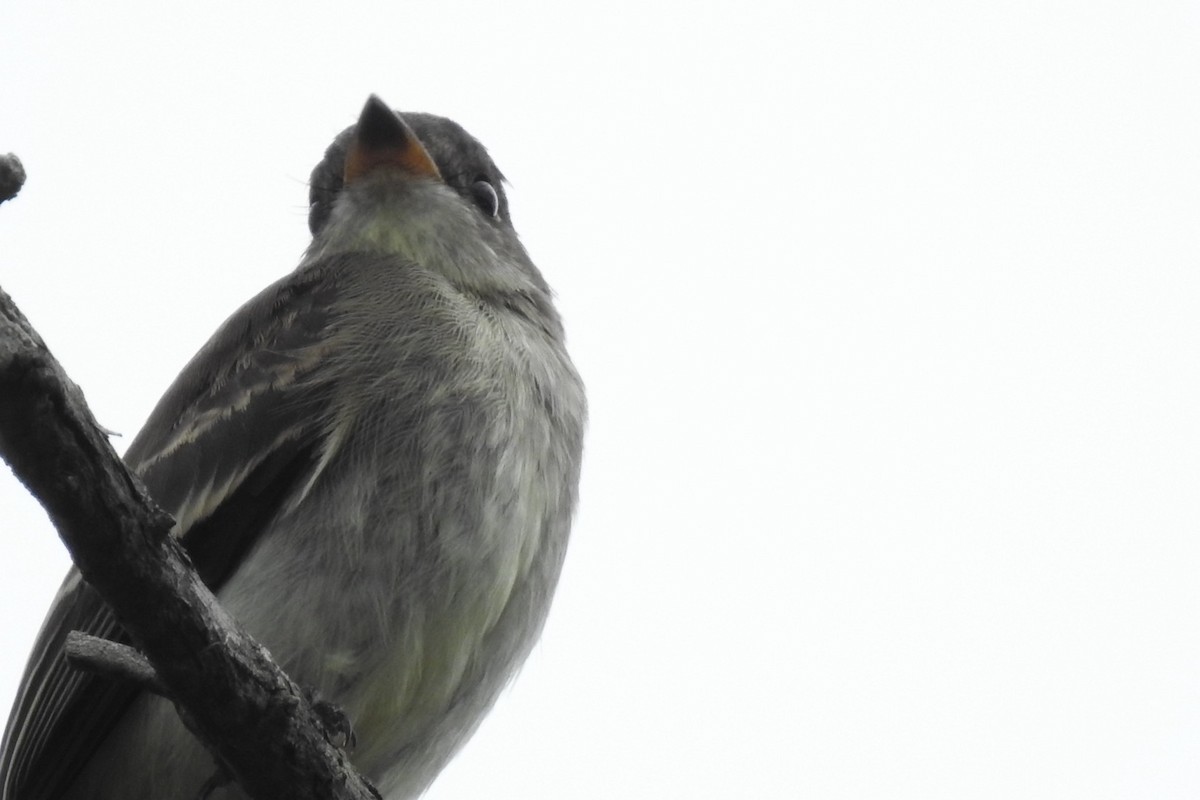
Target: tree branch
x,y
254,719
12,177
116,660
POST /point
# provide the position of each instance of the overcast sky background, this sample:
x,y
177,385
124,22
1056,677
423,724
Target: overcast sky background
x,y
888,314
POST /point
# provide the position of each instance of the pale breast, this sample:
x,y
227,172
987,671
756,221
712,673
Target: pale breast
x,y
536,434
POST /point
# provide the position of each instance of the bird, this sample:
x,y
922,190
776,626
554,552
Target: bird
x,y
374,463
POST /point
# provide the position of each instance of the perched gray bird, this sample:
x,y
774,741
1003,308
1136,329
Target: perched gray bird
x,y
373,463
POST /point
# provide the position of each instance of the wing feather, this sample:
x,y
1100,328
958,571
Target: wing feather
x,y
239,429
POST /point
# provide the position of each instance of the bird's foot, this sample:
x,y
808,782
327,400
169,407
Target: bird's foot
x,y
338,727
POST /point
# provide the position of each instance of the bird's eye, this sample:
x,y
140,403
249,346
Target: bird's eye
x,y
486,198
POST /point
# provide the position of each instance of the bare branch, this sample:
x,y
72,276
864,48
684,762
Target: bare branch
x,y
12,177
120,661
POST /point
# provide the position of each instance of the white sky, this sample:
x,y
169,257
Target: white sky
x,y
888,313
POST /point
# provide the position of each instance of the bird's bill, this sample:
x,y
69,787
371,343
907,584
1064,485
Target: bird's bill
x,y
382,139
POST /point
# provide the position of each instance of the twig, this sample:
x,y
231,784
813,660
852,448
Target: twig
x,y
12,176
93,654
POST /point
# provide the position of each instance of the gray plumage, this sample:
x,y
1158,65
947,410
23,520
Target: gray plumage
x,y
374,462
461,159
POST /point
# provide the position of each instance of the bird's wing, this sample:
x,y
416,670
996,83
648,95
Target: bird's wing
x,y
236,436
